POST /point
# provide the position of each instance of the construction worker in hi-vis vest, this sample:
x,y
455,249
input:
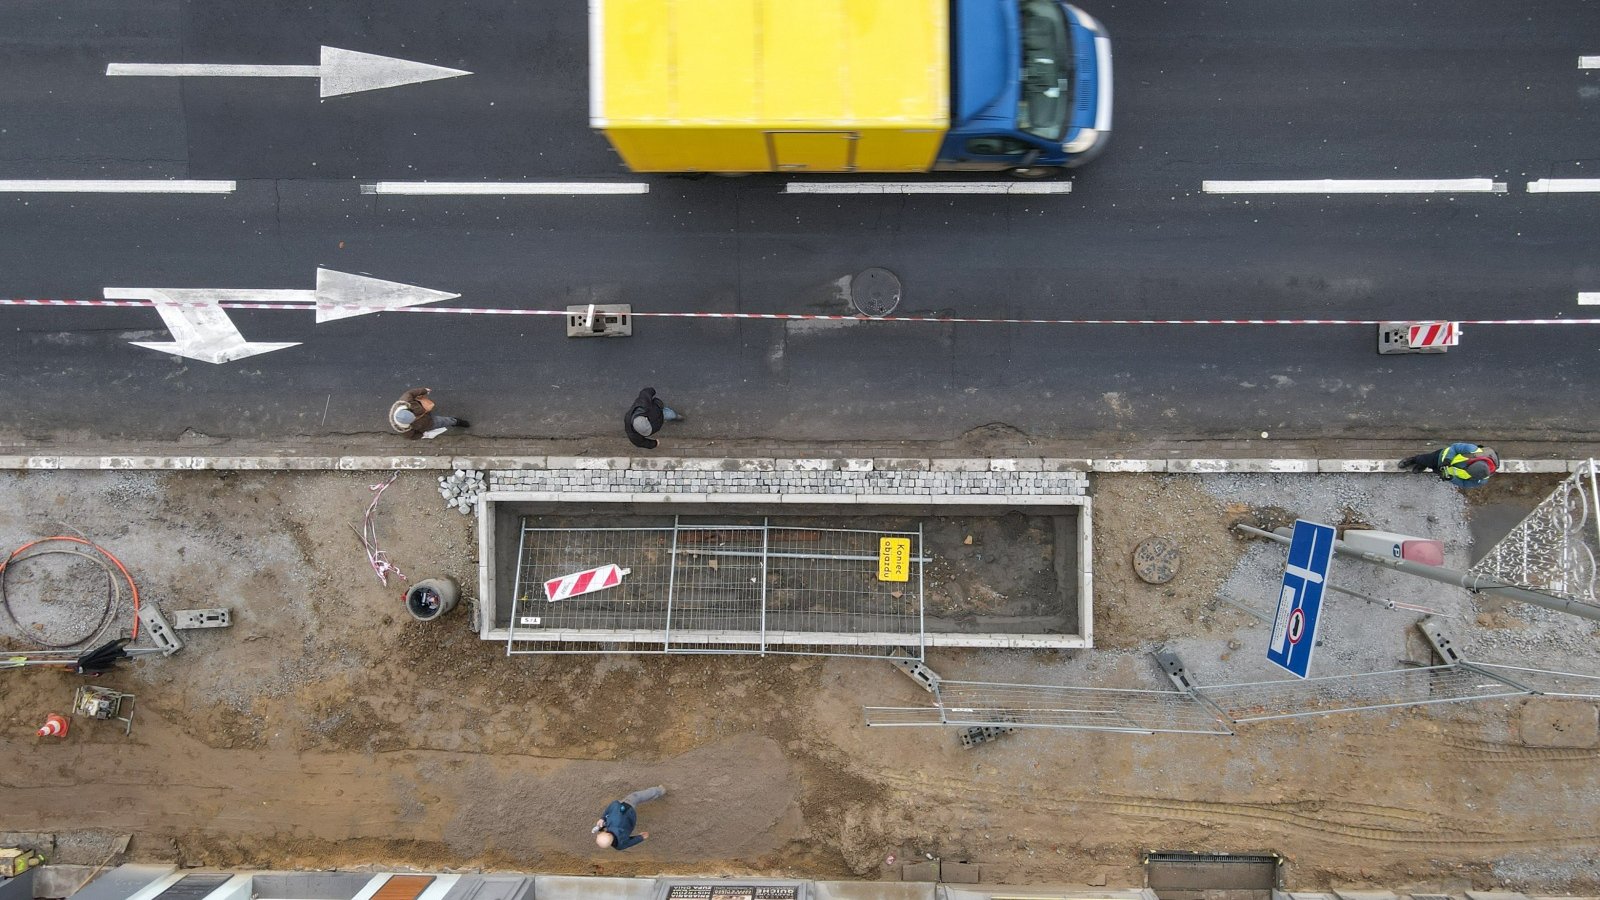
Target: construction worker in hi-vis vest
x,y
1463,464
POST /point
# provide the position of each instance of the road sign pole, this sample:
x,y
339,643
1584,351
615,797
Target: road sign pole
x,y
1475,583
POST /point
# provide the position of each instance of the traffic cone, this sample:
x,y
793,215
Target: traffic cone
x,y
54,726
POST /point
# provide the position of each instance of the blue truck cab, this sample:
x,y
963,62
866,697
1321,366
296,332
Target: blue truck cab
x,y
1030,87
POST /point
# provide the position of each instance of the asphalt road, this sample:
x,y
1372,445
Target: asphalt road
x,y
1206,89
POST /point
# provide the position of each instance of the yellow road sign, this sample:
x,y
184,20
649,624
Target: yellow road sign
x,y
894,559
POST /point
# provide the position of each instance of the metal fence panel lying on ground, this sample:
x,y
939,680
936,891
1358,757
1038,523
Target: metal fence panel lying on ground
x,y
969,703
1215,709
1261,701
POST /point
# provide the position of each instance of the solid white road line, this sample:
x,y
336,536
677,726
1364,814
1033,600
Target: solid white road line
x,y
109,186
1368,186
1588,298
1564,186
1589,62
502,188
928,187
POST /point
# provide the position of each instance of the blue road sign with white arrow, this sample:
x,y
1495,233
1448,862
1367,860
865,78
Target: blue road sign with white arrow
x,y
1305,575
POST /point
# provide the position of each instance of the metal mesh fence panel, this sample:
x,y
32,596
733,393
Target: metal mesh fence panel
x,y
713,588
1265,700
966,703
1544,681
1553,550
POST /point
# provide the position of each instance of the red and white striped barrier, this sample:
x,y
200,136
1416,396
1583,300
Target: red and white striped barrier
x,y
1433,334
782,317
586,582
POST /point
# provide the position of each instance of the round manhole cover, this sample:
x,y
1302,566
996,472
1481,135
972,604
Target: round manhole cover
x,y
875,292
1156,560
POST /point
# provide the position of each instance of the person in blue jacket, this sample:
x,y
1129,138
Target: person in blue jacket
x,y
614,828
1463,464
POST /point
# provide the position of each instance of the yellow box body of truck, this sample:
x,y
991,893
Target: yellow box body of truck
x,y
771,85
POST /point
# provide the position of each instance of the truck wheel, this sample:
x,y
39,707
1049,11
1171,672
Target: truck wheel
x,y
1035,173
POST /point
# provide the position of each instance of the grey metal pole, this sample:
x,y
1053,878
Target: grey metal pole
x,y
1474,583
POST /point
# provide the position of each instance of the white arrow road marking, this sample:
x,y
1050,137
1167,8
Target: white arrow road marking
x,y
340,71
202,330
1368,186
114,186
341,295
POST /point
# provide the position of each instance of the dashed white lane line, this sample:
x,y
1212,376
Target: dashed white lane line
x,y
1366,186
1589,298
1564,186
1589,62
503,188
927,187
111,186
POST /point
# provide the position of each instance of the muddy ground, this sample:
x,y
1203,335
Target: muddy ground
x,y
325,728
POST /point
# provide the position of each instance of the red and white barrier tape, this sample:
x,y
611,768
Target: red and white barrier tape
x,y
788,317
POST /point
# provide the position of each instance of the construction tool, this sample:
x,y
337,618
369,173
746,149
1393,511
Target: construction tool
x,y
95,702
14,861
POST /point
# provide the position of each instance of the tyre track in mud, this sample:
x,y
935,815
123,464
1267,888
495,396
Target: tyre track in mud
x,y
1325,818
1459,749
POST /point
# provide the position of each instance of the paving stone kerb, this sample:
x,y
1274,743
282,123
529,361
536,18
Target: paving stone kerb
x,y
734,464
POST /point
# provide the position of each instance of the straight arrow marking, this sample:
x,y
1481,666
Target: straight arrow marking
x,y
201,328
339,71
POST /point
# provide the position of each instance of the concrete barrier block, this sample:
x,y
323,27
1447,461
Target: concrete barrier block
x,y
1357,465
958,873
1130,465
899,464
1066,464
1199,465
959,464
1535,466
807,465
500,463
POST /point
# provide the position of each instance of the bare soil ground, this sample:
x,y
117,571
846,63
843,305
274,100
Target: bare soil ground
x,y
326,728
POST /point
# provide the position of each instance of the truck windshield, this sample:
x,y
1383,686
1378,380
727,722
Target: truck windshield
x,y
1046,69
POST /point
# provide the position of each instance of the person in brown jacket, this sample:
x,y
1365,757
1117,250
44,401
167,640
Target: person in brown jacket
x,y
413,416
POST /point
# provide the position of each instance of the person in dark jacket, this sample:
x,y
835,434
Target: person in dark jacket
x,y
646,417
413,416
614,828
1462,464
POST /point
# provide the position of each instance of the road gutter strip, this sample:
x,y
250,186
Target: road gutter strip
x,y
114,186
738,464
1356,186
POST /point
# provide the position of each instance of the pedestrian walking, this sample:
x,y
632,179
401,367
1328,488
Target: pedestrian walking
x,y
413,416
614,828
646,417
1463,464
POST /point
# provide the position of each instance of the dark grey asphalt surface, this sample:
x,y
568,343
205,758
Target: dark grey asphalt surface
x,y
1206,89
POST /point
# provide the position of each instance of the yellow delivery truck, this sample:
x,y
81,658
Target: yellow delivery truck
x,y
848,85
